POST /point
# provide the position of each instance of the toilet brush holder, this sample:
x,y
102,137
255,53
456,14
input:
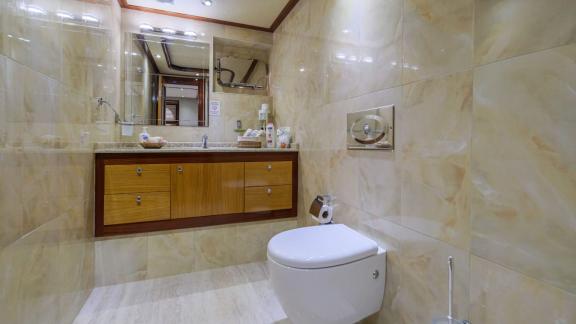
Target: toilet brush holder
x,y
449,319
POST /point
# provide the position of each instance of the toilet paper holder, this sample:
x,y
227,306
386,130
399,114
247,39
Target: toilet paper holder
x,y
321,209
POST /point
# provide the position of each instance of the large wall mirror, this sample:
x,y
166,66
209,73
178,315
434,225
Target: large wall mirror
x,y
166,81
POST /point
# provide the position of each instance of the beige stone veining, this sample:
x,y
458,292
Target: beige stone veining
x,y
483,163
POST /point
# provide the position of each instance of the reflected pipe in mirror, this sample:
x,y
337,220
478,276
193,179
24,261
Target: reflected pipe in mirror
x,y
167,81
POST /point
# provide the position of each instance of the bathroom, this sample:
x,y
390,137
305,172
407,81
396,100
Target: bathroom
x,y
475,100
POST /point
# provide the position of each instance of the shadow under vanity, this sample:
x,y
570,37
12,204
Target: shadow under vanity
x,y
142,191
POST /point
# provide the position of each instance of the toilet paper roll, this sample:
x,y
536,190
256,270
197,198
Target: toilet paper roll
x,y
325,216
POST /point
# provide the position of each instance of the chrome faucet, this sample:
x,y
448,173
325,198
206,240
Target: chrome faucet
x,y
205,141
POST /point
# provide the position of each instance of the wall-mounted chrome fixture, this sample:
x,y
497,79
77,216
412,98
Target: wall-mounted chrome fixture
x,y
207,3
371,129
101,102
147,28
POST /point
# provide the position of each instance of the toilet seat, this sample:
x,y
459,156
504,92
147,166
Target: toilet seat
x,y
317,247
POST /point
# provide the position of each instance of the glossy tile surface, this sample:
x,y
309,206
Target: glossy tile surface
x,y
507,28
499,295
524,206
235,294
438,38
154,255
484,156
48,76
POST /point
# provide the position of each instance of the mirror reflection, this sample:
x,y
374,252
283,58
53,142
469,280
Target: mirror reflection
x,y
166,81
241,67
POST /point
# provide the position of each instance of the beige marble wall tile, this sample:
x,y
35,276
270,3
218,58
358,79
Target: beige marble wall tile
x,y
509,28
121,260
363,47
437,39
435,122
33,39
215,246
500,295
417,271
170,254
524,177
417,200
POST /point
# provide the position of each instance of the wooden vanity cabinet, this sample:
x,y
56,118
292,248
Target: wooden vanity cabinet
x,y
205,189
144,192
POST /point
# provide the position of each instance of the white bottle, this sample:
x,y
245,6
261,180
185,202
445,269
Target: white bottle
x,y
144,136
270,136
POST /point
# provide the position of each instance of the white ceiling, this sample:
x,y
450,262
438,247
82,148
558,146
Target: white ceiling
x,y
261,13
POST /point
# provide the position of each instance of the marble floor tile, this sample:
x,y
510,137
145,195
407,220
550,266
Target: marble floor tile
x,y
236,294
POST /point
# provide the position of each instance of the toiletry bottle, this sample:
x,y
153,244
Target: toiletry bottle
x,y
270,136
144,135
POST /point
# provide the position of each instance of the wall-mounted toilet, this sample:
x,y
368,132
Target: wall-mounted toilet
x,y
327,274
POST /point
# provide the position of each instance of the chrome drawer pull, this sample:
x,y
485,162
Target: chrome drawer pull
x,y
139,171
138,200
269,191
269,167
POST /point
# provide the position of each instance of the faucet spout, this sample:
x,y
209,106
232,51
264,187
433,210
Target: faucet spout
x,y
205,141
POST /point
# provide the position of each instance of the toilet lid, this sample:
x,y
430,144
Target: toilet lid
x,y
320,247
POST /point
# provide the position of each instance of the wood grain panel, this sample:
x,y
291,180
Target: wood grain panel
x,y
121,179
203,189
124,208
272,173
268,198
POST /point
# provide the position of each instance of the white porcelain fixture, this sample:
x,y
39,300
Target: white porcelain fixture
x,y
327,274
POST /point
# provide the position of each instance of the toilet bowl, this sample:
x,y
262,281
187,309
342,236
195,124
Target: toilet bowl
x,y
327,274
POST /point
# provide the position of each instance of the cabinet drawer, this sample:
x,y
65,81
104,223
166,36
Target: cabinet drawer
x,y
134,208
267,198
268,173
131,178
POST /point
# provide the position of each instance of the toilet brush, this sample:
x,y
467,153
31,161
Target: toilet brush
x,y
450,318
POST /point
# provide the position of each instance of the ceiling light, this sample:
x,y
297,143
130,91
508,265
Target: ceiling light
x,y
146,27
352,58
341,56
302,69
345,31
207,3
25,40
368,59
89,18
190,33
168,31
202,34
197,74
158,56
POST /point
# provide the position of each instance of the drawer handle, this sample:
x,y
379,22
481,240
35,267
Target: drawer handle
x,y
269,191
269,167
139,171
138,200
180,169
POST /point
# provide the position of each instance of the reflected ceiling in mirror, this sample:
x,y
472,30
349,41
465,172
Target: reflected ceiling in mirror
x,y
166,80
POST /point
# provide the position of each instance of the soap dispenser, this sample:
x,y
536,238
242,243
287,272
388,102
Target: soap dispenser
x,y
144,136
